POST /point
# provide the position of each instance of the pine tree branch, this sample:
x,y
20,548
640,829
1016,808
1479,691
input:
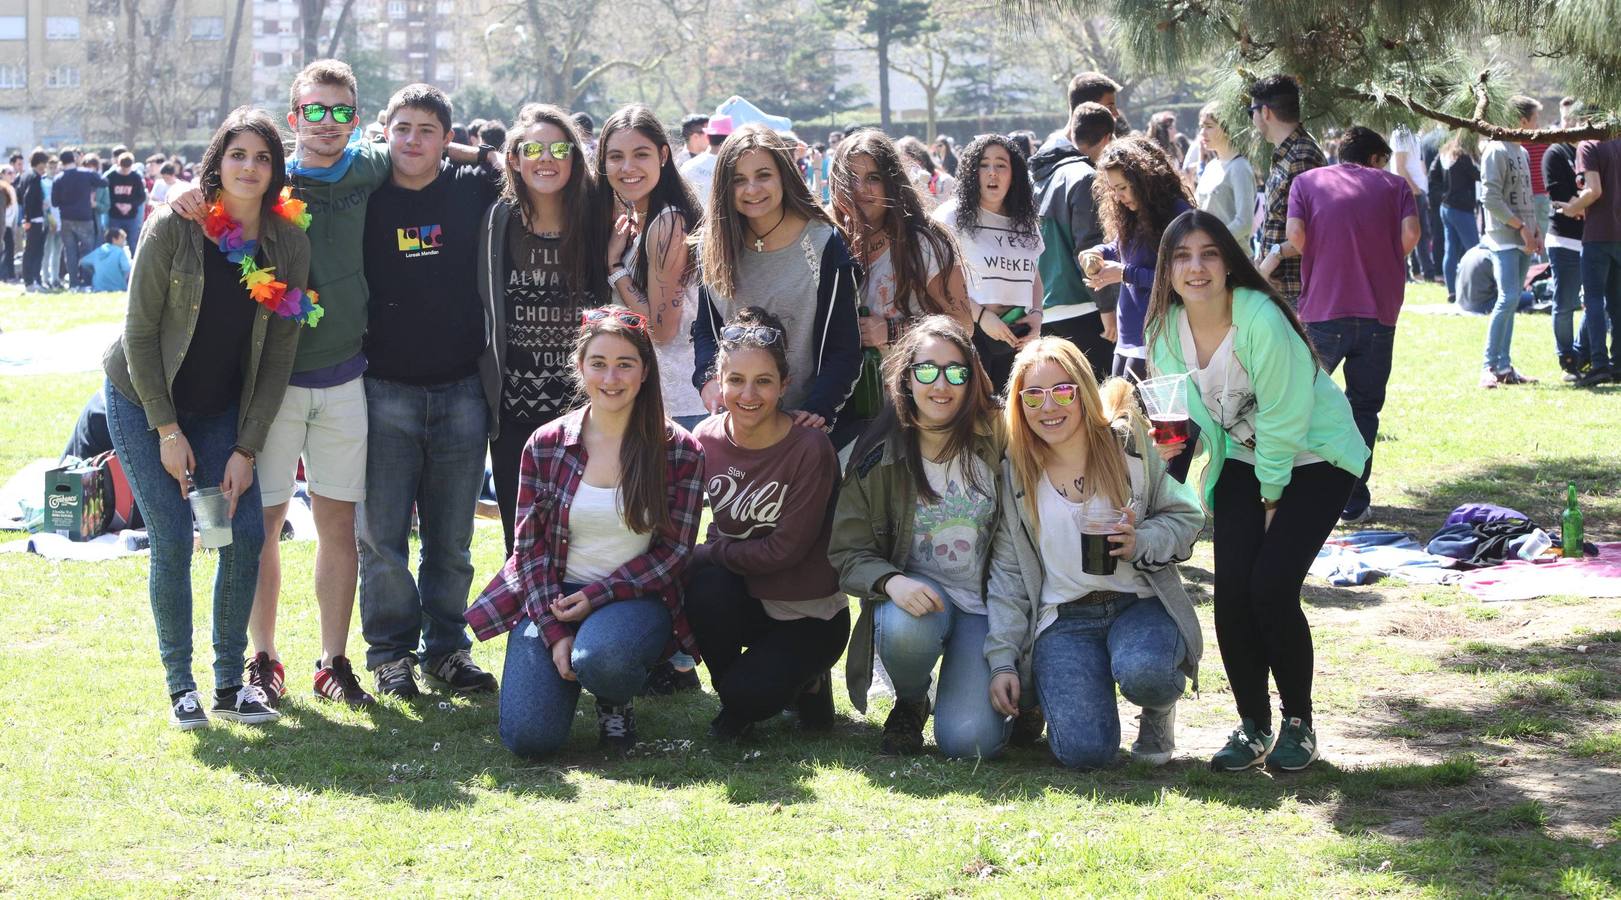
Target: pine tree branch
x,y
1478,125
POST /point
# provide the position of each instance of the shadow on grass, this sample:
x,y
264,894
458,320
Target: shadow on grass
x,y
1535,487
1315,592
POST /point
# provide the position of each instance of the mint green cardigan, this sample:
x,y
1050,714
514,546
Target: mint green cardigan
x,y
1298,406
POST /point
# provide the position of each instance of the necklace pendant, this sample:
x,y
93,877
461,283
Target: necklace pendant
x,y
759,245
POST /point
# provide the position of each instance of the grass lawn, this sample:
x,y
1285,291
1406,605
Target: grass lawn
x,y
1469,748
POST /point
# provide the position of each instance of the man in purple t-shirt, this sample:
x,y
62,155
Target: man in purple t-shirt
x,y
1599,204
1354,225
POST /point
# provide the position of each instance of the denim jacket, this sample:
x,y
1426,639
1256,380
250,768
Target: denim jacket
x,y
165,297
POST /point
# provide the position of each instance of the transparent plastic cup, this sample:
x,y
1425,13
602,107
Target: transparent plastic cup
x,y
1096,548
1165,399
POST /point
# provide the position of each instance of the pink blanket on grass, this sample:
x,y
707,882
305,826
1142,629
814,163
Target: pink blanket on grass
x,y
1598,576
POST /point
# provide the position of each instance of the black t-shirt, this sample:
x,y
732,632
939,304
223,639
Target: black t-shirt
x,y
542,323
210,378
425,321
127,194
1462,176
1559,174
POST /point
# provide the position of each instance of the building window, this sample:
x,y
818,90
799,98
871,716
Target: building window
x,y
444,72
13,28
61,28
270,60
445,7
443,39
396,9
208,28
13,76
62,77
203,118
396,40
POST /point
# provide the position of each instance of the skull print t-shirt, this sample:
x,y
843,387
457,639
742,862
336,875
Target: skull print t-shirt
x,y
951,537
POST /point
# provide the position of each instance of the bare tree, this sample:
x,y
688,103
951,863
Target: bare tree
x,y
311,13
228,73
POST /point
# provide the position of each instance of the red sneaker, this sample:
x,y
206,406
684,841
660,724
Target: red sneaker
x,y
267,675
337,682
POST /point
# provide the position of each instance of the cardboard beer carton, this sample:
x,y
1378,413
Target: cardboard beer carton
x,y
76,502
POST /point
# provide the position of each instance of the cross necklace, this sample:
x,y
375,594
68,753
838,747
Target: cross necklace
x,y
759,239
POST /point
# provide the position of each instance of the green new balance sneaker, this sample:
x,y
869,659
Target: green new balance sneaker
x,y
1246,749
1296,747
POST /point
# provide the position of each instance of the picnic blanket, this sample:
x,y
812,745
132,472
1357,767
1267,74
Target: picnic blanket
x,y
1591,576
129,542
1365,556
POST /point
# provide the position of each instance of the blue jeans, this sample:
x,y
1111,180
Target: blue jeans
x,y
1567,296
1601,301
131,226
1508,267
78,239
424,447
1366,348
51,276
1461,234
1088,650
168,524
965,723
614,649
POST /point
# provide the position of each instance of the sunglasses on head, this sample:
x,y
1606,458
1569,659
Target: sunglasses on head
x,y
1036,398
765,334
929,373
554,149
632,320
315,112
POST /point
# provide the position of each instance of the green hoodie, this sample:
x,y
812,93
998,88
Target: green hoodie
x,y
1298,406
337,263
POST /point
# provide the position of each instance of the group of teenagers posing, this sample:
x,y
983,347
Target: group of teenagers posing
x,y
710,360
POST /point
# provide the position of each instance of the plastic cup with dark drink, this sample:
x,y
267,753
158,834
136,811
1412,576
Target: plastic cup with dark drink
x,y
1166,400
1096,548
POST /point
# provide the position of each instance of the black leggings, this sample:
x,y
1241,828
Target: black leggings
x,y
1259,623
1086,333
782,657
506,457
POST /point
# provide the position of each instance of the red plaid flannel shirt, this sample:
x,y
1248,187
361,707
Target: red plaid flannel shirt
x,y
552,466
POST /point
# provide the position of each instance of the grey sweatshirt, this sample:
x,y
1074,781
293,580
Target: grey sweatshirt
x,y
1505,192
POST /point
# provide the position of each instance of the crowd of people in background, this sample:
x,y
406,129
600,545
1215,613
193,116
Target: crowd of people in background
x,y
901,372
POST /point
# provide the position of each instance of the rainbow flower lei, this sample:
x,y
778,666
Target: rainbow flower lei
x,y
302,306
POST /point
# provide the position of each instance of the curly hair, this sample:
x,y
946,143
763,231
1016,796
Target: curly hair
x,y
1020,205
1154,184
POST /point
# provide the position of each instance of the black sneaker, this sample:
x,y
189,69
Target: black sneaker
x,y
1594,377
666,679
815,704
395,679
1027,728
457,672
246,704
903,730
187,711
616,727
726,727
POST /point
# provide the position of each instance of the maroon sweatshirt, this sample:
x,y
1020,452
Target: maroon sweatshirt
x,y
772,511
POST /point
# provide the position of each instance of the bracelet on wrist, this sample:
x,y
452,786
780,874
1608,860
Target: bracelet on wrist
x,y
247,454
169,438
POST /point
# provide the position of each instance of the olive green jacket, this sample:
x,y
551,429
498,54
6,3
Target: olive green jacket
x,y
165,296
872,534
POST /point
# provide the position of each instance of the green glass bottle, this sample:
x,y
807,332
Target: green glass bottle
x,y
868,399
1570,526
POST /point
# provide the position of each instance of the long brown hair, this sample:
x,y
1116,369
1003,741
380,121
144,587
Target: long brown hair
x,y
1241,273
907,226
580,250
1106,471
977,417
642,456
671,192
720,239
1154,184
245,119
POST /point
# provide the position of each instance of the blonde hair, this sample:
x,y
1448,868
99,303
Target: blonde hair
x,y
1106,472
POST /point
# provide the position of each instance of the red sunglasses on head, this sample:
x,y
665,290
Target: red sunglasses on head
x,y
632,320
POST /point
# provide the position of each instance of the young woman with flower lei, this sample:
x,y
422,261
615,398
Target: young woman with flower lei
x,y
194,382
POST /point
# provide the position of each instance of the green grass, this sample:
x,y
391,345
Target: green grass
x,y
100,796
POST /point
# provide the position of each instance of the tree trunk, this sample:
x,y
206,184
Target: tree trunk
x,y
929,94
132,106
310,14
230,60
337,29
883,76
